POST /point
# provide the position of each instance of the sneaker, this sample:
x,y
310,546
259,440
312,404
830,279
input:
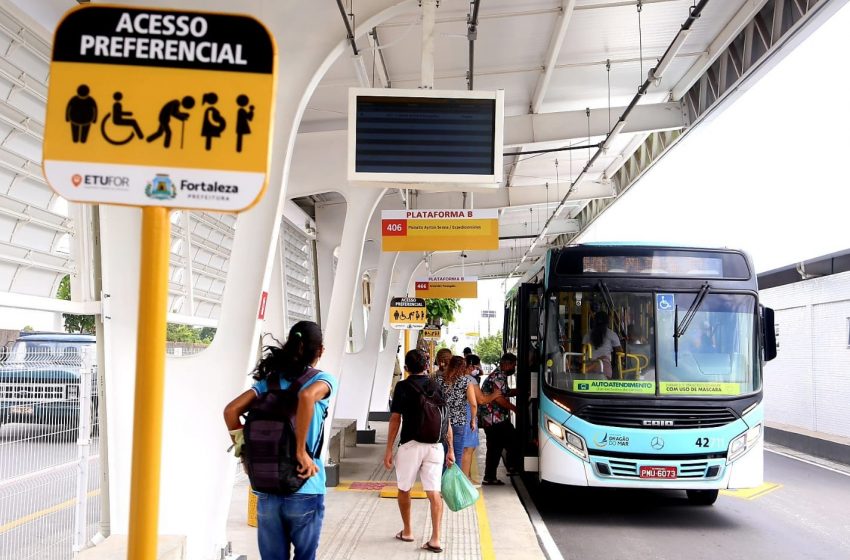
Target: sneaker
x,y
495,482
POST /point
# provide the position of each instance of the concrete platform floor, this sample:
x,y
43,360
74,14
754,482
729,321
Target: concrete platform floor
x,y
359,524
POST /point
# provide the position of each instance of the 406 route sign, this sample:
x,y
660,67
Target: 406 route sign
x,y
407,313
439,230
150,107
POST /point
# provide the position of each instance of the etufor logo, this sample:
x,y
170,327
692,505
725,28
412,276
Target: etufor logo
x,y
161,188
76,179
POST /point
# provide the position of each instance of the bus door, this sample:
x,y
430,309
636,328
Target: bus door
x,y
529,324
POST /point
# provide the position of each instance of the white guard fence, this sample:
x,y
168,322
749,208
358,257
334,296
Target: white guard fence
x,y
50,503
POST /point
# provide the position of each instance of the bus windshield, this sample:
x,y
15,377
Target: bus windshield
x,y
622,343
716,354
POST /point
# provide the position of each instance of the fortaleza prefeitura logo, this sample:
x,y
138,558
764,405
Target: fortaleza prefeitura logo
x,y
161,188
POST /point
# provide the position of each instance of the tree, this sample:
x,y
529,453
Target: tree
x,y
489,348
207,334
74,323
441,310
181,333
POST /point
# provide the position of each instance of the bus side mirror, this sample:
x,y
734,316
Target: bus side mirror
x,y
4,353
768,333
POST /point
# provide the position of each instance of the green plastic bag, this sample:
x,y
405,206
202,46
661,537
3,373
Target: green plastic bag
x,y
457,491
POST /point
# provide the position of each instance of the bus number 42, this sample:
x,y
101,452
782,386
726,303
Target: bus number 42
x,y
709,442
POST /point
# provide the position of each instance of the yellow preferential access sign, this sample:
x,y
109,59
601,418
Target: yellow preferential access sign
x,y
407,313
447,287
432,333
150,107
439,230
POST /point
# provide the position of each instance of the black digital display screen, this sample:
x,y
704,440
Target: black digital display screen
x,y
425,135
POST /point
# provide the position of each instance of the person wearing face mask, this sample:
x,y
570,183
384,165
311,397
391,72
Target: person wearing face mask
x,y
473,362
495,418
471,441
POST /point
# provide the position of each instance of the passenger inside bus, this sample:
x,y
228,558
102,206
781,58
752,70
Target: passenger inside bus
x,y
600,343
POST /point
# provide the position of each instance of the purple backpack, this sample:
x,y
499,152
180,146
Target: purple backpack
x,y
269,453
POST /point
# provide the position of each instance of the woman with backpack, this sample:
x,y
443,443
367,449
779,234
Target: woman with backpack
x,y
287,383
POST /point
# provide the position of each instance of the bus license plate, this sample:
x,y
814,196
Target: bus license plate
x,y
658,472
25,409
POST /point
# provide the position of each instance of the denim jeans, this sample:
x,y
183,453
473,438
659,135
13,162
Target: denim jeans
x,y
289,521
458,437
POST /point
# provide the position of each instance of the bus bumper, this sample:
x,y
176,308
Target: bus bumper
x,y
560,466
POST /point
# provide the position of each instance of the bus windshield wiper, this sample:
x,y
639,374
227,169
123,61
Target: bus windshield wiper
x,y
686,320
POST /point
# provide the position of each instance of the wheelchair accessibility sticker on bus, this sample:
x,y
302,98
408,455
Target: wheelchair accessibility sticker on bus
x,y
665,302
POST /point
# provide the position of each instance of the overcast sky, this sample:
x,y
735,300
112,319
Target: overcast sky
x,y
765,175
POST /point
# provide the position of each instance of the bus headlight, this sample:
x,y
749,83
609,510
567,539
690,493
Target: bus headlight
x,y
72,392
743,443
571,440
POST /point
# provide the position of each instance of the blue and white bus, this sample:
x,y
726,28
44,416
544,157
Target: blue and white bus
x,y
674,401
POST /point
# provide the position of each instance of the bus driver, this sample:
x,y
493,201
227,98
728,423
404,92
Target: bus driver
x,y
602,341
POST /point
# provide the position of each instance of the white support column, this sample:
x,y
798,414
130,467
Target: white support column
x,y
358,318
361,205
328,239
405,268
429,15
197,473
188,272
360,366
82,283
555,43
275,320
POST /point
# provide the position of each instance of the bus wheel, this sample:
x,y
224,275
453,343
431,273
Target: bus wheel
x,y
702,497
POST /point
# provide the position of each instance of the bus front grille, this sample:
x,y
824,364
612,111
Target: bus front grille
x,y
657,418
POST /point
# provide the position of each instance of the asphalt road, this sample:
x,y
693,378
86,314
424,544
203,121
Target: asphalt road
x,y
808,516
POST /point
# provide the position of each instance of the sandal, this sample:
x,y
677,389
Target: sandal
x,y
400,536
431,547
495,482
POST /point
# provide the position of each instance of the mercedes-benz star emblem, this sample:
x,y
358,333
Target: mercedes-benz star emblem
x,y
657,443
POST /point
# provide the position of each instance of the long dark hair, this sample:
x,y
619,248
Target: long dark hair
x,y
290,360
455,370
599,329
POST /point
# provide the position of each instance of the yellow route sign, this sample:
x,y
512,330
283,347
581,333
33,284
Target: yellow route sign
x,y
439,230
150,107
447,287
407,313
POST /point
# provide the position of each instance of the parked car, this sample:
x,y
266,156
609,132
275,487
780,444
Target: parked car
x,y
40,379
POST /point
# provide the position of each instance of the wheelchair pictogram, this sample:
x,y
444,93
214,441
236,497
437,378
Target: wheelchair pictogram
x,y
664,302
120,117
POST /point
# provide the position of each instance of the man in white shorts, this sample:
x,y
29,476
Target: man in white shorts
x,y
415,457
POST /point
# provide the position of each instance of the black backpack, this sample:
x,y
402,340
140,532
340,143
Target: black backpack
x,y
431,419
269,450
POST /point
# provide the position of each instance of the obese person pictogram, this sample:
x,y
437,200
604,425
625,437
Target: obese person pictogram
x,y
144,95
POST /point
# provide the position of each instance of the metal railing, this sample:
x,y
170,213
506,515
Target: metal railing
x,y
49,452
